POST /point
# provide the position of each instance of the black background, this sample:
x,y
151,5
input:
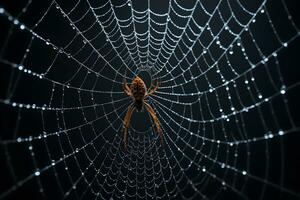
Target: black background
x,y
31,90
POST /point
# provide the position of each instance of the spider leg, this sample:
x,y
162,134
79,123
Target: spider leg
x,y
153,89
156,122
126,124
126,88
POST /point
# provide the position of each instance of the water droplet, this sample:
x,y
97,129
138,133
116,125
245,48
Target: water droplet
x,y
16,22
22,27
280,132
1,10
270,135
244,172
283,89
21,67
37,173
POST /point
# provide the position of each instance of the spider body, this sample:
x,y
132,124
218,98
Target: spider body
x,y
138,92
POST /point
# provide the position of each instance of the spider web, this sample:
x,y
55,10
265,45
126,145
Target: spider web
x,y
227,100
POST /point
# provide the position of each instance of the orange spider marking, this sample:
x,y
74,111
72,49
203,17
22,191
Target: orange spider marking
x,y
138,91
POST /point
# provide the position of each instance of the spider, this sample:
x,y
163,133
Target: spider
x,y
138,92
